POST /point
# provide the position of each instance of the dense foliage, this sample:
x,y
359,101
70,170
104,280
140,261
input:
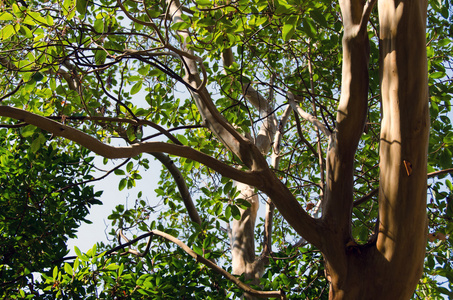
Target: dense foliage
x,y
43,200
115,70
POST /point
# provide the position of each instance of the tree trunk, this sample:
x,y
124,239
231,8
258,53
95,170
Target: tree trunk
x,y
391,265
243,238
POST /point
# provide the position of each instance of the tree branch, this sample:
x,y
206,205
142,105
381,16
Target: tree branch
x,y
182,187
12,92
306,116
440,172
275,161
246,288
89,142
247,152
219,270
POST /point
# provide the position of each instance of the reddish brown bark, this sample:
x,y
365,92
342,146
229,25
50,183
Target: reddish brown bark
x,y
390,266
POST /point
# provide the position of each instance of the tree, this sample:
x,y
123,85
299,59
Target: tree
x,y
44,199
320,110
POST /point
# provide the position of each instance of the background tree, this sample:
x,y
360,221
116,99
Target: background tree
x,y
291,104
44,199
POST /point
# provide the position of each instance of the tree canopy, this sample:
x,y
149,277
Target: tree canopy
x,y
287,104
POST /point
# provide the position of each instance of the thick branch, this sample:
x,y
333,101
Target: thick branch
x,y
239,145
182,187
351,117
58,129
264,180
275,161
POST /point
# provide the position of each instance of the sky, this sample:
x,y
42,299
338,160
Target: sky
x,y
90,234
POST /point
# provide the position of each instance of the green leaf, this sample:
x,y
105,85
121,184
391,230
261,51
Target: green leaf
x,y
129,167
38,76
99,25
288,31
228,212
100,57
136,87
143,70
448,139
35,145
119,172
112,267
235,212
81,7
37,17
318,17
197,250
122,184
68,269
120,269
180,26
76,264
25,31
437,75
92,251
309,27
204,2
6,16
7,32
28,130
77,251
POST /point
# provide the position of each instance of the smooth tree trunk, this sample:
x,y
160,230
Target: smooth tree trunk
x,y
390,266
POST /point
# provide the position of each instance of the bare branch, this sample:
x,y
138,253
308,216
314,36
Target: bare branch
x,y
219,270
365,198
275,161
12,92
180,182
440,172
132,251
136,122
306,116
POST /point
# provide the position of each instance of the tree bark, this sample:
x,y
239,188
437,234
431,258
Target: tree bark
x,y
404,141
390,266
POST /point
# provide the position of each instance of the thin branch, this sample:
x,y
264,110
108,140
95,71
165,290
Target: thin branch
x,y
12,92
131,251
136,122
275,161
246,288
219,270
441,172
322,165
306,116
374,192
365,198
